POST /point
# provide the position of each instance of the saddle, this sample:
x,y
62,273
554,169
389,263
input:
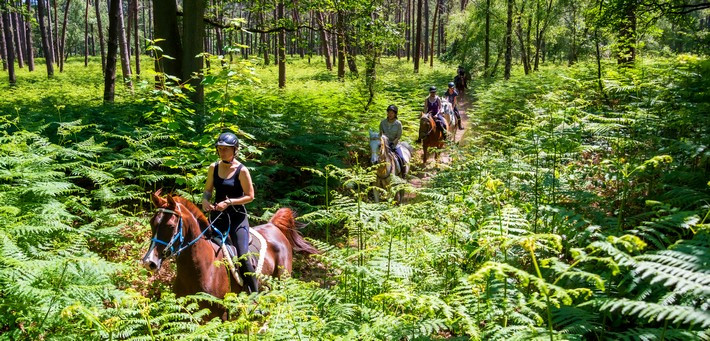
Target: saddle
x,y
257,245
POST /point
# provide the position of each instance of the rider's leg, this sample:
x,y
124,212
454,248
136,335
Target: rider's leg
x,y
240,234
442,125
398,150
458,118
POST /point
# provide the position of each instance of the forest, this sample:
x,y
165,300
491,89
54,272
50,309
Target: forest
x,y
574,203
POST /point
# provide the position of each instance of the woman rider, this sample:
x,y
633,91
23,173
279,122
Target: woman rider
x,y
432,104
234,188
392,128
452,96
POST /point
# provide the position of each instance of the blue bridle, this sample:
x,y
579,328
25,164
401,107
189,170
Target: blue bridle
x,y
170,248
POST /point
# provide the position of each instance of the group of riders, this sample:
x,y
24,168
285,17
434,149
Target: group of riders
x,y
232,182
392,127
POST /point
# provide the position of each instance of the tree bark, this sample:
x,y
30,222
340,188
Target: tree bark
x,y
53,38
60,59
123,47
408,31
165,26
341,45
433,29
3,48
627,33
86,34
28,38
136,42
97,4
521,40
9,45
16,28
324,42
192,35
264,41
350,54
508,41
426,31
45,34
418,39
110,72
282,48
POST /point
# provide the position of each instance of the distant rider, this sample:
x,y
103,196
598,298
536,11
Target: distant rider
x,y
452,96
392,128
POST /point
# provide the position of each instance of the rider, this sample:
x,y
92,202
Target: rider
x,y
452,96
392,128
432,104
232,182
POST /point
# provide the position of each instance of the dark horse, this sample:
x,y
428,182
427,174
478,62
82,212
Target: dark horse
x,y
180,229
430,135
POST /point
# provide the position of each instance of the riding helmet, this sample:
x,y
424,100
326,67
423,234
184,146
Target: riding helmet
x,y
451,84
393,108
227,139
432,89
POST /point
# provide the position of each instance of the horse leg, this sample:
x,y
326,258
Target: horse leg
x,y
425,156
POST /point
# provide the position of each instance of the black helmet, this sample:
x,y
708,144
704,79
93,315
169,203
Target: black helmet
x,y
451,84
227,139
432,89
393,108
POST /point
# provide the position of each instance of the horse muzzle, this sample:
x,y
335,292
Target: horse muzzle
x,y
151,261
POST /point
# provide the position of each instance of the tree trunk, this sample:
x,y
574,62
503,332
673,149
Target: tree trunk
x,y
45,34
433,29
572,57
487,48
192,35
282,48
123,47
627,33
9,45
324,41
521,40
341,45
508,41
3,48
53,38
93,41
110,72
426,31
408,30
20,24
16,28
350,54
86,34
418,39
165,26
60,60
97,3
136,42
28,38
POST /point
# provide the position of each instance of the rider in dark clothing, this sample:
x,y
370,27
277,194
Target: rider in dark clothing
x,y
233,189
452,96
432,104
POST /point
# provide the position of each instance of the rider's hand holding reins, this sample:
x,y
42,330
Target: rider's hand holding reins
x,y
221,206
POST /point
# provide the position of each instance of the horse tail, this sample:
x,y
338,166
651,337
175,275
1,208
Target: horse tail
x,y
285,221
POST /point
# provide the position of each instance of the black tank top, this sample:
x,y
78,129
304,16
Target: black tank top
x,y
227,188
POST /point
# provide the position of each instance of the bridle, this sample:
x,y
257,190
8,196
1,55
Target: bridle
x,y
171,249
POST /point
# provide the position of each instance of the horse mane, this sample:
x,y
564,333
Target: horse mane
x,y
201,219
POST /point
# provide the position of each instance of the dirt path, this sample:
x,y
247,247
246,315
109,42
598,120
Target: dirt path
x,y
420,176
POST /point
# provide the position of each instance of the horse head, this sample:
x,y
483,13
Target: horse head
x,y
426,125
173,222
374,146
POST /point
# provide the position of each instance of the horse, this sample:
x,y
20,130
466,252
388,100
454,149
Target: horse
x,y
387,161
461,80
180,229
430,135
450,117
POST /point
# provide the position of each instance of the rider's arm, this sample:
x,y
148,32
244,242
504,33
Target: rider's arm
x,y
209,188
398,134
247,187
382,131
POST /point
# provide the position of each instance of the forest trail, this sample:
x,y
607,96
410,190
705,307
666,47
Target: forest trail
x,y
421,175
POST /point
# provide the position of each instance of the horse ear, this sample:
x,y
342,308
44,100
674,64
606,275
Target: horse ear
x,y
171,201
157,200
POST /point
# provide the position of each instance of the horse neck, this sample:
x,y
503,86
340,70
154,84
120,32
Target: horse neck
x,y
192,257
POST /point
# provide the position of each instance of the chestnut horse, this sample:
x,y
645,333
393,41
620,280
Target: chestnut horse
x,y
181,230
430,135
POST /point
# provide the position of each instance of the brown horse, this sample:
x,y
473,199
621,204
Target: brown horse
x,y
181,230
430,135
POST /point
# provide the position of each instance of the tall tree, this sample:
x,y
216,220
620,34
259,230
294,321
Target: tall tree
x,y
487,46
28,38
9,41
123,49
136,42
45,35
324,42
418,39
53,27
508,40
86,34
433,29
165,26
193,44
114,9
282,47
97,4
341,44
627,31
519,34
63,40
426,31
3,48
17,28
